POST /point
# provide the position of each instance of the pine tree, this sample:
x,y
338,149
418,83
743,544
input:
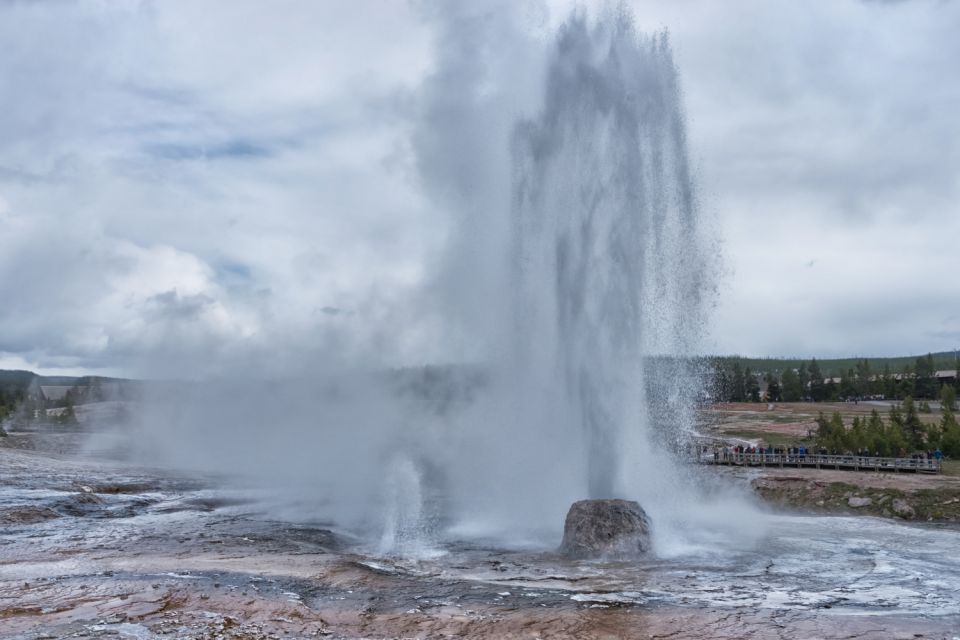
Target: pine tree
x,y
791,389
721,381
889,383
945,430
925,385
750,386
804,378
831,433
863,378
876,437
905,386
738,384
950,435
848,385
912,426
774,392
948,397
896,442
823,428
830,391
857,435
818,390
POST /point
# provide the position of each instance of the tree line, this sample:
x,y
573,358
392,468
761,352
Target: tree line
x,y
902,433
734,382
10,399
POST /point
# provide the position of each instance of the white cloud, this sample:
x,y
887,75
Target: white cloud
x,y
209,178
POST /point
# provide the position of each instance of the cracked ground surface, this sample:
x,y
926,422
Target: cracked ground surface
x,y
96,549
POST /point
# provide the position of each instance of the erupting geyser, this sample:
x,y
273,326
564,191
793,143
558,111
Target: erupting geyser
x,y
577,275
609,260
595,319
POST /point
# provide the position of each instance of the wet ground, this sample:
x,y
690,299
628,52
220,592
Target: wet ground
x,y
93,548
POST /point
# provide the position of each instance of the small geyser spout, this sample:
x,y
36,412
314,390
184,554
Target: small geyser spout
x,y
602,460
403,529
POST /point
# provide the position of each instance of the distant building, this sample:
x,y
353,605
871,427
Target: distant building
x,y
48,393
946,376
54,393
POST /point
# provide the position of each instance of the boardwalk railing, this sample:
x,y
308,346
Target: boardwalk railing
x,y
817,461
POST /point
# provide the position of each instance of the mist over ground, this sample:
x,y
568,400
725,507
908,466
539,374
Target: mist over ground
x,y
189,203
172,185
572,294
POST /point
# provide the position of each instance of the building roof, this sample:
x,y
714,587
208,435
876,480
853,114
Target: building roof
x,y
55,392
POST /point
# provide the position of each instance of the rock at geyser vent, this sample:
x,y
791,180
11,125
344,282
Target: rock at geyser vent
x,y
608,529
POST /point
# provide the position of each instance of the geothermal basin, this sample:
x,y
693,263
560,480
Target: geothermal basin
x,y
340,504
93,547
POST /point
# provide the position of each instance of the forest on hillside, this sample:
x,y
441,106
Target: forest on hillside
x,y
735,379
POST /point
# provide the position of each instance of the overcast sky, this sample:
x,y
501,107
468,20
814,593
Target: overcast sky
x,y
239,180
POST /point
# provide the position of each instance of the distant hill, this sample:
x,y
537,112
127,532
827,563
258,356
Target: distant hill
x,y
17,385
14,377
17,377
836,367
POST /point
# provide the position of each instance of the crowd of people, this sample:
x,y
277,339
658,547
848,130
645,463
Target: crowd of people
x,y
800,453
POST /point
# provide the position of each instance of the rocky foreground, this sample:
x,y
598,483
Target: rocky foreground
x,y
91,549
902,496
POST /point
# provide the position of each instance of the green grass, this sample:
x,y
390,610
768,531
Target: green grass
x,y
772,416
768,437
791,418
951,467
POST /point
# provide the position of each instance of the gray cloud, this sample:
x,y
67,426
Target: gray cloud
x,y
237,149
257,167
825,132
164,185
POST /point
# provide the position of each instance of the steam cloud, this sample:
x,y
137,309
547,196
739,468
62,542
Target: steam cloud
x,y
572,292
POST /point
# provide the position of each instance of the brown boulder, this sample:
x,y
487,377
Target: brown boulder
x,y
606,529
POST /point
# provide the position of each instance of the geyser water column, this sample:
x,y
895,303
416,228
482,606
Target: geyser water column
x,y
609,267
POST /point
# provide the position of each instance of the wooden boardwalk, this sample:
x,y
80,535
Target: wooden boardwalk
x,y
817,461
